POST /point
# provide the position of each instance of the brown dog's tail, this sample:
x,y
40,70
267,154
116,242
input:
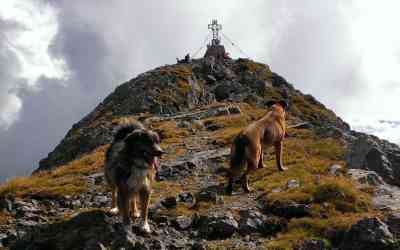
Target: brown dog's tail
x,y
239,157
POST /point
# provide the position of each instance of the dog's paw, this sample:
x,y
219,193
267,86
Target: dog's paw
x,y
136,214
114,210
282,168
145,227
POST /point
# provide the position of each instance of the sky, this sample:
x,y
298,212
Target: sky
x,y
60,58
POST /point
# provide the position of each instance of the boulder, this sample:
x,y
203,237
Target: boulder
x,y
287,209
371,153
252,221
218,226
369,234
377,161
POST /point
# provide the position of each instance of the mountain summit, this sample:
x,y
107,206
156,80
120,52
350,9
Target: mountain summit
x,y
340,190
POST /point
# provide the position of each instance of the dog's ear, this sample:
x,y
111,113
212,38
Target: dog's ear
x,y
270,103
284,104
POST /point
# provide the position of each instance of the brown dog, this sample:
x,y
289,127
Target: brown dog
x,y
131,163
247,147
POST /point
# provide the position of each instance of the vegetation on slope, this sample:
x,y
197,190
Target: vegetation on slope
x,y
335,202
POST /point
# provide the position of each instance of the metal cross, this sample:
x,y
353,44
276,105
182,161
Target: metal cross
x,y
215,28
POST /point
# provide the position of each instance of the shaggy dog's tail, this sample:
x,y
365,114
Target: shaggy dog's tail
x,y
121,132
125,129
239,157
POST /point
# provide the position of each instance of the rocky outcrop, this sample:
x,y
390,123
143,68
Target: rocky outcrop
x,y
371,153
369,234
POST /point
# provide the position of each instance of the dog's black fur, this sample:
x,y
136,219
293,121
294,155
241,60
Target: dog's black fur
x,y
130,166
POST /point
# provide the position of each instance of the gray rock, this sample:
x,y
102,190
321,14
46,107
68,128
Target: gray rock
x,y
207,195
251,222
387,197
2,238
377,161
198,246
370,153
393,222
335,170
312,245
365,177
287,209
6,205
234,110
182,222
369,234
186,197
218,226
169,202
261,85
96,178
210,79
293,184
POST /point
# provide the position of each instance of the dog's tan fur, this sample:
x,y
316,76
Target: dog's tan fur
x,y
248,146
130,168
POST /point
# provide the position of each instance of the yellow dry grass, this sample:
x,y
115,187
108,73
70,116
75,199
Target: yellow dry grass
x,y
65,180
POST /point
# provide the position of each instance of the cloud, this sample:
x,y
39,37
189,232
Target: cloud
x,y
27,28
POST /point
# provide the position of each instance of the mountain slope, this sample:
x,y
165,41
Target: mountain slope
x,y
179,88
197,108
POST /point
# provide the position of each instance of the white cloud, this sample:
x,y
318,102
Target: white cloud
x,y
27,40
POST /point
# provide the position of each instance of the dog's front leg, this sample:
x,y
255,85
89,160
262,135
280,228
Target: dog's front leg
x,y
144,195
134,208
245,183
278,156
123,205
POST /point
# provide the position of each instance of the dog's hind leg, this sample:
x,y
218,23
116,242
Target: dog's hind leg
x,y
245,183
134,209
261,161
144,195
229,188
251,166
278,156
114,208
